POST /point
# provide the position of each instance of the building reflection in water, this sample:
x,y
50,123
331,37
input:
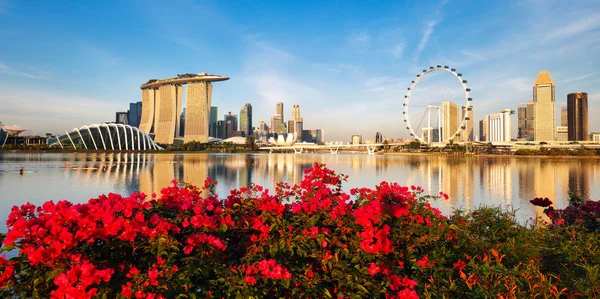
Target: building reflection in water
x,y
470,182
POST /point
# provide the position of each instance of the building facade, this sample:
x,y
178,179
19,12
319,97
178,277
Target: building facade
x,y
562,133
135,114
162,103
544,101
564,119
356,139
484,129
246,119
577,106
212,125
122,118
499,126
449,120
378,137
466,134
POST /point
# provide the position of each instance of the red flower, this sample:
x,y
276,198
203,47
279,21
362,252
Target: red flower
x,y
459,265
374,269
423,262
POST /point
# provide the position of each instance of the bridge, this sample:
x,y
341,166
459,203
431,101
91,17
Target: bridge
x,y
300,148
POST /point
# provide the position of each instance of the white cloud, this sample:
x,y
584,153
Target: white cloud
x,y
7,70
581,78
579,26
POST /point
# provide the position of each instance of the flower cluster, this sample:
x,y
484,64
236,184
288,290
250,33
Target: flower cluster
x,y
541,202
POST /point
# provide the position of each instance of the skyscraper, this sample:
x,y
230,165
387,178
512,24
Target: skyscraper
x,y
521,121
467,132
484,129
577,106
277,126
378,137
122,118
449,120
530,121
543,98
246,119
563,116
290,126
280,110
212,125
135,114
298,122
233,123
296,111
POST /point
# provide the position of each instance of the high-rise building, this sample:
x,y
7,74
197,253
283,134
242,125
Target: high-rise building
x,y
234,120
221,129
280,110
356,139
246,119
449,120
135,114
577,106
521,121
563,116
467,132
291,126
122,118
277,125
484,129
182,124
530,121
498,126
544,101
378,137
296,111
212,125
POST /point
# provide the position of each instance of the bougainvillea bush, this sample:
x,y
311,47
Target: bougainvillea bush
x,y
310,240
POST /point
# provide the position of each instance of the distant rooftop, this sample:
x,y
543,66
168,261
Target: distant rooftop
x,y
543,78
183,79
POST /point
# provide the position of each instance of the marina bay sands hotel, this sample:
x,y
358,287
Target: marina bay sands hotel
x,y
161,105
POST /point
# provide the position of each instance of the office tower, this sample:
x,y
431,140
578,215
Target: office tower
x,y
467,132
530,124
212,125
166,116
296,111
234,122
122,118
135,114
483,129
221,130
290,126
280,110
378,137
182,124
563,116
577,106
521,121
277,125
356,139
449,120
499,126
543,98
246,119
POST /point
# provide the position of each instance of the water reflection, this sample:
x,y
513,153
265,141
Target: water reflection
x,y
470,182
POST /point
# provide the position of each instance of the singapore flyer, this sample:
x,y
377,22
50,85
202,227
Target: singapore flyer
x,y
437,109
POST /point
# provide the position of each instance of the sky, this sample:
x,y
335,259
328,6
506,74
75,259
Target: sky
x,y
65,64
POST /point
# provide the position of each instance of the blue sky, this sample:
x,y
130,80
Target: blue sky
x,y
65,64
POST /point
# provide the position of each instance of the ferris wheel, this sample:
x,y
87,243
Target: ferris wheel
x,y
449,101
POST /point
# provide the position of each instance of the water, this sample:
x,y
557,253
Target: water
x,y
470,182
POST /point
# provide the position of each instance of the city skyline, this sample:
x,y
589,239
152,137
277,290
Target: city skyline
x,y
359,66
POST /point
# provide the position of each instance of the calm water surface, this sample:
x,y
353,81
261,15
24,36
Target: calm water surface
x,y
470,182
